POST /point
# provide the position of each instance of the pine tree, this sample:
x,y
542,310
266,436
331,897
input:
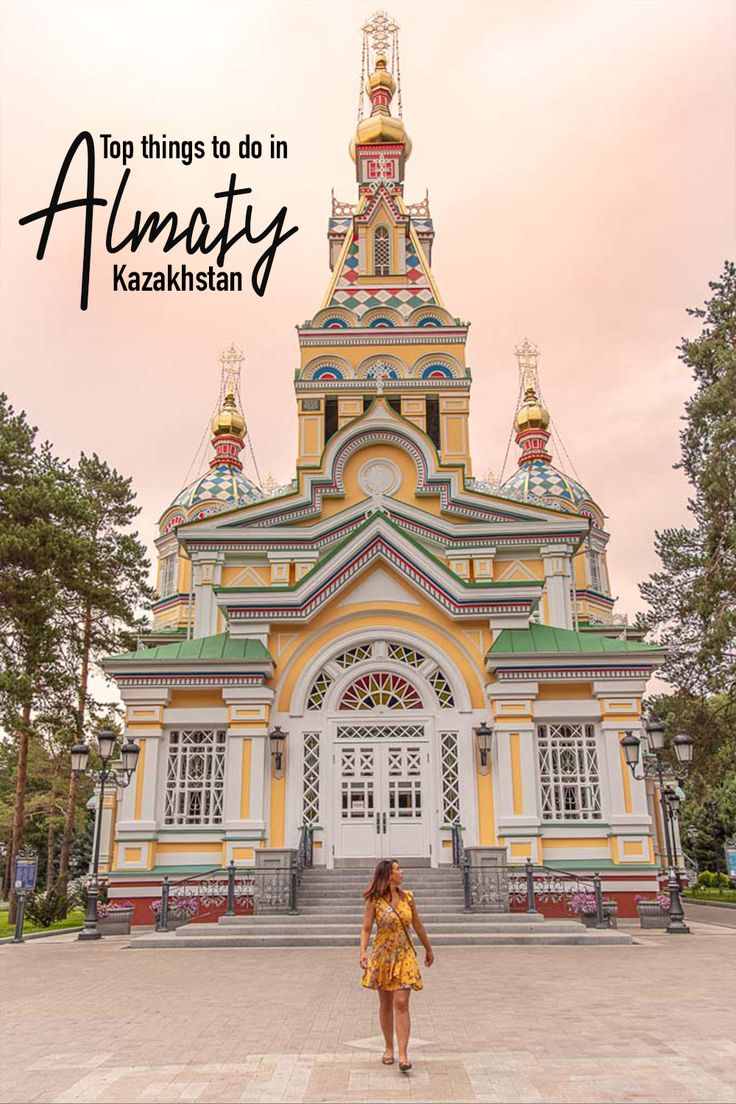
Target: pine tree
x,y
106,603
40,516
692,598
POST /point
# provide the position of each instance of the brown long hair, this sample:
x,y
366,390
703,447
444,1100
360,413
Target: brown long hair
x,y
381,883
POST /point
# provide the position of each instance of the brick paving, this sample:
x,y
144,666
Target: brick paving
x,y
101,1024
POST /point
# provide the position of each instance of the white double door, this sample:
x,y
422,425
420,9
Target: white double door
x,y
382,798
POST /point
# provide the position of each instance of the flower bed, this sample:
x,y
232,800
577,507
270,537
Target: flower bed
x,y
583,904
115,918
181,911
653,912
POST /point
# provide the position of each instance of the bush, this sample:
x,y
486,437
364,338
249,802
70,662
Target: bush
x,y
77,893
722,881
46,905
706,879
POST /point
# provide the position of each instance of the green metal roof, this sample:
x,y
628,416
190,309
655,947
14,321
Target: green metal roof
x,y
221,646
546,639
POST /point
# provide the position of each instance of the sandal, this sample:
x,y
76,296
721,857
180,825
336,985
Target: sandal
x,y
387,1061
404,1066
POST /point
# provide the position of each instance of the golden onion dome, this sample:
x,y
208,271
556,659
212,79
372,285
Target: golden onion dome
x,y
380,126
531,414
229,420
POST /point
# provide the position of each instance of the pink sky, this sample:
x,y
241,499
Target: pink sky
x,y
580,164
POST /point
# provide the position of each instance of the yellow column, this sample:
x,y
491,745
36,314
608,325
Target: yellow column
x,y
516,783
486,810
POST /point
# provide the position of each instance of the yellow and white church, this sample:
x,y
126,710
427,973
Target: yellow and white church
x,y
383,607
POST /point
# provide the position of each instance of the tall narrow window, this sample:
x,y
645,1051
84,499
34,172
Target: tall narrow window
x,y
168,575
568,772
593,561
330,418
432,407
381,252
195,776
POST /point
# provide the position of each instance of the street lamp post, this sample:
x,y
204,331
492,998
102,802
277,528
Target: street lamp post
x,y
129,752
669,803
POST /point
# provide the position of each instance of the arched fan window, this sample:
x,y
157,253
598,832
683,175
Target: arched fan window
x,y
380,690
381,252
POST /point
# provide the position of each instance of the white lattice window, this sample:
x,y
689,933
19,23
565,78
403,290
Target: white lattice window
x,y
380,732
380,690
568,772
450,778
169,575
354,655
318,693
195,775
310,778
441,687
381,251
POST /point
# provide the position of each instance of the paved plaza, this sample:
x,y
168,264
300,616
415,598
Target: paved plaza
x,y
101,1024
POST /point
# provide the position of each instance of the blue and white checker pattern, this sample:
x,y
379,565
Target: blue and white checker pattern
x,y
223,485
540,482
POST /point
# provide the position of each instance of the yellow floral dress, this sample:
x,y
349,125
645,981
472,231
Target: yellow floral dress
x,y
393,963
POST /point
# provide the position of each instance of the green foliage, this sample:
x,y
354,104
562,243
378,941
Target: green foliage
x,y
47,905
707,879
692,598
73,586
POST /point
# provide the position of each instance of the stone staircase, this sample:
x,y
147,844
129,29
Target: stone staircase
x,y
331,912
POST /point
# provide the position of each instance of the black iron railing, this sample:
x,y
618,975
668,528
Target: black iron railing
x,y
496,888
549,885
241,890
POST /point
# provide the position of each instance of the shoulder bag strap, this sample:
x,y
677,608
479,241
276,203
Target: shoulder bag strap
x,y
403,928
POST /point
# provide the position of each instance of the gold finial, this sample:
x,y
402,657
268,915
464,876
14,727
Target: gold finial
x,y
380,28
531,413
231,362
527,356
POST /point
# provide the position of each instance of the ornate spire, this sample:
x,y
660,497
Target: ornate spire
x,y
532,419
228,426
380,39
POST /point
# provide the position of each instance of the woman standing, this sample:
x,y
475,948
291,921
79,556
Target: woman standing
x,y
393,968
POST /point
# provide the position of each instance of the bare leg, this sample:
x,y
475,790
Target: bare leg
x,y
386,1016
403,1021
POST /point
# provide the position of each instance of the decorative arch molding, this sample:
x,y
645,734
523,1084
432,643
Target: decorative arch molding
x,y
430,316
371,647
333,317
382,367
376,315
320,366
422,368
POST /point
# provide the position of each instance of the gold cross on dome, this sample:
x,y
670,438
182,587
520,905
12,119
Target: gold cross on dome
x,y
231,361
527,355
381,27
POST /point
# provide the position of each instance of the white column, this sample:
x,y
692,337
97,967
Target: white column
x,y
558,580
207,574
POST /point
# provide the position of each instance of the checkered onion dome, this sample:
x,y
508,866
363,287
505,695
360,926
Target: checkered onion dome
x,y
539,482
223,486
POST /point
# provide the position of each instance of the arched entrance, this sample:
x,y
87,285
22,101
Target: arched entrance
x,y
380,770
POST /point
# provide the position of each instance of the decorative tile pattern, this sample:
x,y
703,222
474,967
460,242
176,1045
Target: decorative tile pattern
x,y
223,485
540,482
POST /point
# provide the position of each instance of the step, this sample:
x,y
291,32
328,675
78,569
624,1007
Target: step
x,y
584,936
204,931
294,920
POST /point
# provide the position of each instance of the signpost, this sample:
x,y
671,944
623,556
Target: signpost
x,y
24,882
730,849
